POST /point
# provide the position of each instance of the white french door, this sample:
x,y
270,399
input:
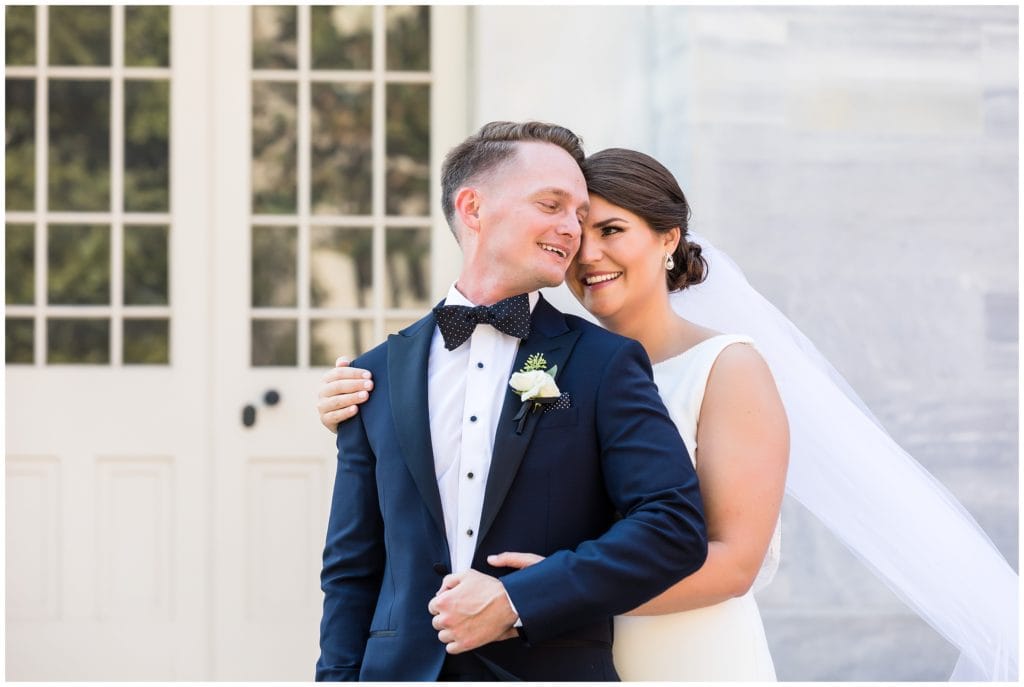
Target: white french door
x,y
107,418
152,534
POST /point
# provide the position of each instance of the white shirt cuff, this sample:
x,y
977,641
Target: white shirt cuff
x,y
519,621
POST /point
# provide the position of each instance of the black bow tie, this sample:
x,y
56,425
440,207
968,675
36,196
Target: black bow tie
x,y
457,322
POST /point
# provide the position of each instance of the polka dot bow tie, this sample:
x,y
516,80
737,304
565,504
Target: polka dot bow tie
x,y
457,322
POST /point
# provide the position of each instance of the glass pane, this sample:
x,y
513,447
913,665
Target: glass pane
x,y
274,267
21,145
78,341
342,37
341,267
408,268
342,127
147,36
330,338
20,244
79,116
79,35
274,38
147,342
78,259
408,149
21,35
408,38
20,340
274,343
145,265
146,146
274,146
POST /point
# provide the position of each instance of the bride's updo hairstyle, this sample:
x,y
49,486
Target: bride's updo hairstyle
x,y
642,185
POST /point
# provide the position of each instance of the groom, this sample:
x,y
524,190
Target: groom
x,y
445,464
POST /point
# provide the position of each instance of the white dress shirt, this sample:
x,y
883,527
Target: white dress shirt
x,y
466,389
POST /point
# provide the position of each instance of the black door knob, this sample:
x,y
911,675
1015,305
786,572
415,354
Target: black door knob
x,y
249,415
271,397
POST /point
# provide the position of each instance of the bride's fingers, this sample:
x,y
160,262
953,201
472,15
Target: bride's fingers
x,y
513,559
336,373
342,392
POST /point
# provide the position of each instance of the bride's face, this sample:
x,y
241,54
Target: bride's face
x,y
620,263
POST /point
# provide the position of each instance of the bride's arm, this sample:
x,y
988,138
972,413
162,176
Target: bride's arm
x,y
742,456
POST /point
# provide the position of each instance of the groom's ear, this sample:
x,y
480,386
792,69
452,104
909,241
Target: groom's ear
x,y
467,207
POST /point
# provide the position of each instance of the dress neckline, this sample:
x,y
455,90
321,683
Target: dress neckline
x,y
697,345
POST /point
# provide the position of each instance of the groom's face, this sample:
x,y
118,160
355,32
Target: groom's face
x,y
530,213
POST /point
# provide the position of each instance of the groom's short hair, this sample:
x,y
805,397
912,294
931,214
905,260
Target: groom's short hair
x,y
492,145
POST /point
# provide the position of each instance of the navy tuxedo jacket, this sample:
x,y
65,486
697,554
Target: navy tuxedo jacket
x,y
556,489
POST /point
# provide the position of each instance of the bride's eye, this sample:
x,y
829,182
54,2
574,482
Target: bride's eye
x,y
611,229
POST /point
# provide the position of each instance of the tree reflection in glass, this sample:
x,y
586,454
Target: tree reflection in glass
x,y
146,342
20,333
330,338
274,343
274,37
342,155
21,146
79,155
20,34
341,267
145,265
20,245
342,37
79,35
408,42
274,267
274,148
146,146
78,265
408,149
408,267
147,31
78,341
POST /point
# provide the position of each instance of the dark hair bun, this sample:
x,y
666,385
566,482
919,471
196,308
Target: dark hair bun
x,y
691,267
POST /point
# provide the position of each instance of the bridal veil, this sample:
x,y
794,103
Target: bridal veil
x,y
888,510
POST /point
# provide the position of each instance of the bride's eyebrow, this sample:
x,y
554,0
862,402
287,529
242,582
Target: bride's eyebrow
x,y
606,222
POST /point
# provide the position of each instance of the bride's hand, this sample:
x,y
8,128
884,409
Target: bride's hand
x,y
342,389
513,559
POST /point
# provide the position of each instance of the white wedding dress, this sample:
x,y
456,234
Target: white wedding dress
x,y
721,642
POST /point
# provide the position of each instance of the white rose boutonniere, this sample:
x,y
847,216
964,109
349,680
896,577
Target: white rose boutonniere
x,y
536,387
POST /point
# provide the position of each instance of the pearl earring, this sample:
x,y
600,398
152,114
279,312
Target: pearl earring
x,y
670,264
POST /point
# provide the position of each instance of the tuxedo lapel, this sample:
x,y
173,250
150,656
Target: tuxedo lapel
x,y
549,336
408,353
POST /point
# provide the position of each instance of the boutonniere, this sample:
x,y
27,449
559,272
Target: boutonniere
x,y
536,387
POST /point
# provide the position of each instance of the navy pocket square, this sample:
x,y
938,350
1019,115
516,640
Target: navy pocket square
x,y
564,402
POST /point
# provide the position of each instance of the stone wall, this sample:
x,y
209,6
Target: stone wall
x,y
861,166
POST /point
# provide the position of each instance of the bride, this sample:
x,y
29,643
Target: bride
x,y
635,250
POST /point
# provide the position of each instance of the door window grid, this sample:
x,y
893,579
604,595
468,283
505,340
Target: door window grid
x,y
118,316
357,328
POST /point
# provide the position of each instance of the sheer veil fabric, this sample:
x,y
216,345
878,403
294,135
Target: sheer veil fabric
x,y
888,510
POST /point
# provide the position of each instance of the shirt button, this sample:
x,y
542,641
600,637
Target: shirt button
x,y
480,365
470,475
472,418
469,533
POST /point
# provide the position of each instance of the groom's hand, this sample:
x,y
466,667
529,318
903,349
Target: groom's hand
x,y
471,609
